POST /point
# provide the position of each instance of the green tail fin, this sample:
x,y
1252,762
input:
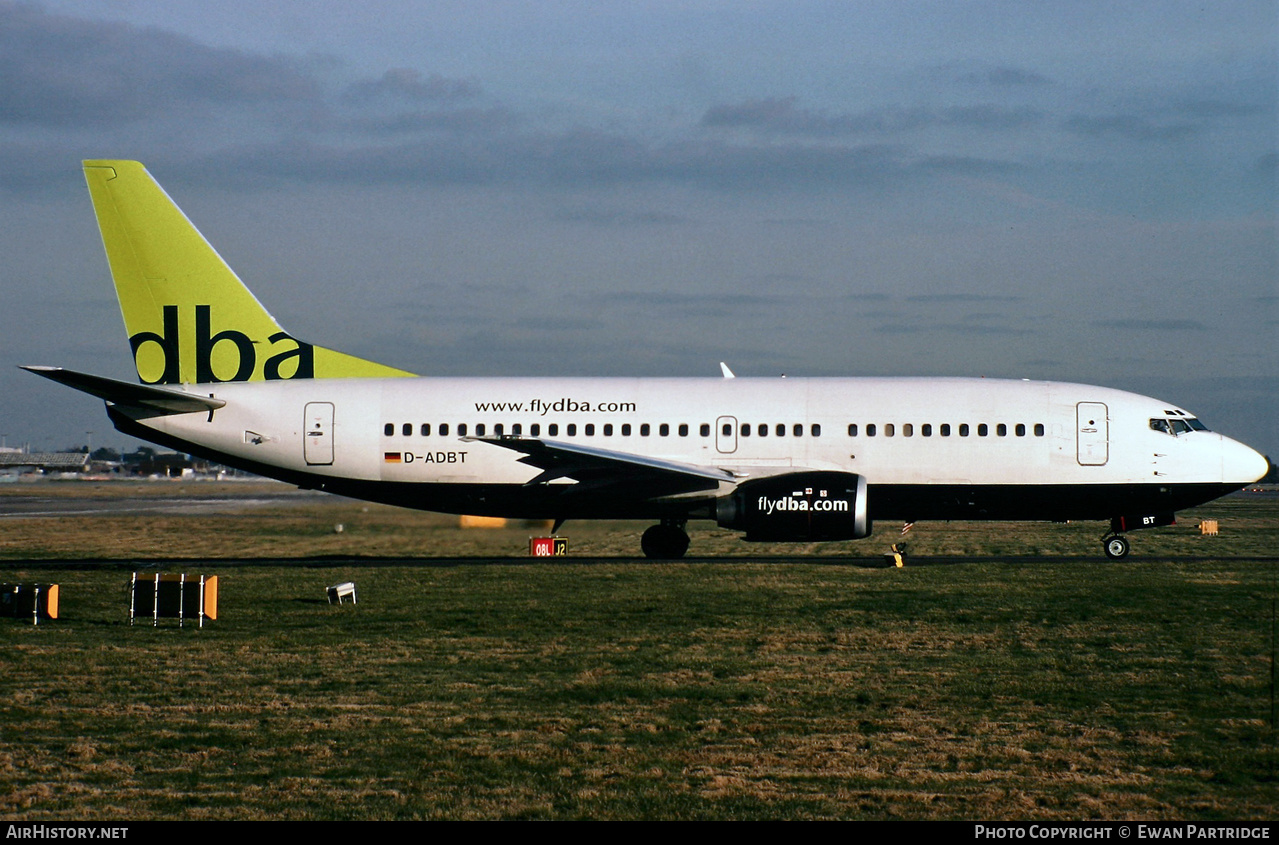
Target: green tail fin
x,y
189,317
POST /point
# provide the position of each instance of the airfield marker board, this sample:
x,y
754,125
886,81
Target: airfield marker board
x,y
34,600
174,597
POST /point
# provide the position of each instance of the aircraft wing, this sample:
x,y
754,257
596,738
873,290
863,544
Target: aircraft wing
x,y
153,401
605,467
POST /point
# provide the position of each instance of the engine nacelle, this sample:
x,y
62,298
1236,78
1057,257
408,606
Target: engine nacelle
x,y
797,506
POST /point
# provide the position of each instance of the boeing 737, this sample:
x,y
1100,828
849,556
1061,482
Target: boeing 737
x,y
782,459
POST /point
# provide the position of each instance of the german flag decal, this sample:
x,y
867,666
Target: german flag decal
x,y
391,457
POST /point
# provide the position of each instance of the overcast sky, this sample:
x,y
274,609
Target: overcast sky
x,y
1070,191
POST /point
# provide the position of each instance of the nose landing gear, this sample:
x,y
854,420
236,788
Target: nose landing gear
x,y
1115,546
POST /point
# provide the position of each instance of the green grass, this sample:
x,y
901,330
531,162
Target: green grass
x,y
1057,687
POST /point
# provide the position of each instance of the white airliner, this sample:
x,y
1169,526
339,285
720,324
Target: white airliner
x,y
789,459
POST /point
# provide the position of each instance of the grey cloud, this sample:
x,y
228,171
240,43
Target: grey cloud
x,y
1172,115
1153,325
468,121
963,328
1004,77
616,217
784,116
1212,109
582,157
990,117
949,298
408,85
65,73
60,71
690,302
1132,127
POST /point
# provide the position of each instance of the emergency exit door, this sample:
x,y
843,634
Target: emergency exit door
x,y
726,435
317,436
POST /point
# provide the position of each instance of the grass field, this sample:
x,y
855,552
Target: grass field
x,y
1008,673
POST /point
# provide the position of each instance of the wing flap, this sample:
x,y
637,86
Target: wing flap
x,y
159,401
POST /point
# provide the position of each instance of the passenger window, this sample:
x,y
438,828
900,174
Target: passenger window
x,y
816,429
908,430
516,429
1039,429
746,429
590,429
626,429
704,430
389,429
444,429
780,431
407,429
498,429
1020,429
461,429
963,429
1001,430
553,430
608,429
571,430
535,429
852,429
664,430
683,429
944,431
644,430
926,429
889,429
763,429
797,429
982,430
479,429
870,429
727,429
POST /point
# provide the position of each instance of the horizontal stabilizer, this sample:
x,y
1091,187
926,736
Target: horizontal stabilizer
x,y
160,400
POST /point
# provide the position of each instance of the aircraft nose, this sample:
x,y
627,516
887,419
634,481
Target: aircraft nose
x,y
1242,465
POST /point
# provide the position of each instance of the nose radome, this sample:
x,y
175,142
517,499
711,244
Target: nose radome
x,y
1241,464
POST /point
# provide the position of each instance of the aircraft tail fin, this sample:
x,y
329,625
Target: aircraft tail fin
x,y
189,317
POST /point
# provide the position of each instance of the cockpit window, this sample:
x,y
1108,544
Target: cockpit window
x,y
1177,425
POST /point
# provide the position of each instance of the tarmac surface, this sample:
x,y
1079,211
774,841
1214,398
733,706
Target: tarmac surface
x,y
123,501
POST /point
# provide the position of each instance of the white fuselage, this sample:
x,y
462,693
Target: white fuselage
x,y
903,435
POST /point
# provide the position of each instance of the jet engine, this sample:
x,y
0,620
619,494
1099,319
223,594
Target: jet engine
x,y
797,506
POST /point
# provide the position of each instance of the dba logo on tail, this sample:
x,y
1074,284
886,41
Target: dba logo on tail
x,y
229,355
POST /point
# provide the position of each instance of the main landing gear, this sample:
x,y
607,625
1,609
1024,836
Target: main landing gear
x,y
667,541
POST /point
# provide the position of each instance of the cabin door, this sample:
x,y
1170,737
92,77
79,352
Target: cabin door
x,y
1092,434
726,435
317,443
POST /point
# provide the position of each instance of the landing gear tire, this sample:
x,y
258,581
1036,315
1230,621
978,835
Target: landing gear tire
x,y
664,542
1116,548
